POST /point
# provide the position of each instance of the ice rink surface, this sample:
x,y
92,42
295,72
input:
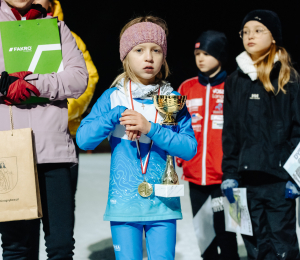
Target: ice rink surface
x,y
92,234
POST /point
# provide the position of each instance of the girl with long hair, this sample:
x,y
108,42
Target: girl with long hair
x,y
261,130
126,115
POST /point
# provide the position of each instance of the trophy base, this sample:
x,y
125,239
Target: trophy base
x,y
169,120
169,191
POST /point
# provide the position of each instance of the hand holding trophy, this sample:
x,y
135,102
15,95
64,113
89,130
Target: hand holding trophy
x,y
169,105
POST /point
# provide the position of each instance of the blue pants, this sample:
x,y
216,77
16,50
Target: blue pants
x,y
160,239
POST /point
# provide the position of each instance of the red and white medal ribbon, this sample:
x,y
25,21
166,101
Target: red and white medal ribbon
x,y
143,166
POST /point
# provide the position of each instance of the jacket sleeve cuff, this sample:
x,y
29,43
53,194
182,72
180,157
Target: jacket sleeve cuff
x,y
231,175
152,130
119,113
32,78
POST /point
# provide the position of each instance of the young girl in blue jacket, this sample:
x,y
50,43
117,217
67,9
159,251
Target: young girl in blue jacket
x,y
125,114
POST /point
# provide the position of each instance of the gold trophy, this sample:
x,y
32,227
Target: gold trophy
x,y
168,106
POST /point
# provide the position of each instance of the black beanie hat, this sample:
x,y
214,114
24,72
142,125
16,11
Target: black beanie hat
x,y
269,19
214,43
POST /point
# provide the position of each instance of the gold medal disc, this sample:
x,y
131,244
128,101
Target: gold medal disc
x,y
145,189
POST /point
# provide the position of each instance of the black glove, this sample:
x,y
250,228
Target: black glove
x,y
5,82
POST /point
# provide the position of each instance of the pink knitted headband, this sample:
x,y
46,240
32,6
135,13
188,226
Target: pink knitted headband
x,y
142,33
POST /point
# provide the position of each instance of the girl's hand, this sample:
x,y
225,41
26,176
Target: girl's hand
x,y
135,121
132,135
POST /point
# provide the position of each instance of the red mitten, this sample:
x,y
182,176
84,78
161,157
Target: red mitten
x,y
19,90
179,161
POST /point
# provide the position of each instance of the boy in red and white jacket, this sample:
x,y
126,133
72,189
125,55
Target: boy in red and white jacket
x,y
205,95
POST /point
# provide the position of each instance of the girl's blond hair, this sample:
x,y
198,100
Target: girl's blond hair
x,y
264,66
127,72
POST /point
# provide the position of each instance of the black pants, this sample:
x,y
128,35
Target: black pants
x,y
273,219
74,172
225,240
58,218
35,227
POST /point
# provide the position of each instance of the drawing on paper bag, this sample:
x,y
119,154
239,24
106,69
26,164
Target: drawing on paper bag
x,y
8,174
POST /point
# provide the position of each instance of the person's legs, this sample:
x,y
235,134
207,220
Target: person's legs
x,y
15,240
34,238
74,172
225,240
161,239
281,215
199,195
258,246
251,247
58,210
211,252
127,240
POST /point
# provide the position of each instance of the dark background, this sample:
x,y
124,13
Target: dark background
x,y
99,23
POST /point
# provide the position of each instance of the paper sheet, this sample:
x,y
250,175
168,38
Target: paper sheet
x,y
292,165
204,225
237,217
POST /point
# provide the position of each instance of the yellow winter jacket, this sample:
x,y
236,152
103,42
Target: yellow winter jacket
x,y
77,107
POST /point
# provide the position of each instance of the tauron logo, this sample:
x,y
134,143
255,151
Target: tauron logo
x,y
25,49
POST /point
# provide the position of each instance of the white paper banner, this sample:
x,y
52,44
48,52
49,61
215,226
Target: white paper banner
x,y
204,225
292,166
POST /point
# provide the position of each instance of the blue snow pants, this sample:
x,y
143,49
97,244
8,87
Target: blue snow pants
x,y
128,239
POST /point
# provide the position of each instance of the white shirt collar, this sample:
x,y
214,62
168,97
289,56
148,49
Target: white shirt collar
x,y
139,90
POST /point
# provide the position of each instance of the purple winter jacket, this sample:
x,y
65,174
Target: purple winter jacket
x,y
49,122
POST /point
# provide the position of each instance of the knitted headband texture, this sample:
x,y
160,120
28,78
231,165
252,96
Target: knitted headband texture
x,y
142,33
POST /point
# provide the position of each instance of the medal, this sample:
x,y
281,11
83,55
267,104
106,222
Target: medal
x,y
145,189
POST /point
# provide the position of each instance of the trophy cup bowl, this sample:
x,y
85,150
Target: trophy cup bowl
x,y
168,105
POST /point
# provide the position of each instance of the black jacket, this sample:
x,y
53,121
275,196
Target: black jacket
x,y
261,129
